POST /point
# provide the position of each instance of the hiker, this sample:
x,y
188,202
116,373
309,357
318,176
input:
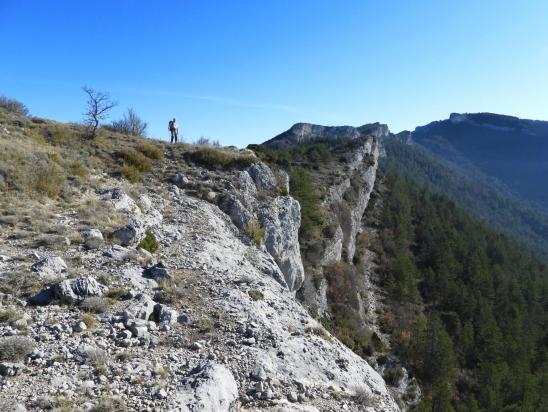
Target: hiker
x,y
173,129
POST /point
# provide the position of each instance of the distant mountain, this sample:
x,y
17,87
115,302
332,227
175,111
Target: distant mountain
x,y
511,150
469,188
303,132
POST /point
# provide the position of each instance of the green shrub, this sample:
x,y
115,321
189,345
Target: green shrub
x,y
76,168
110,404
149,242
151,150
256,294
255,232
204,325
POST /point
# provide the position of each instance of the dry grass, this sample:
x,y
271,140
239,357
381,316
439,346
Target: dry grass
x,y
255,232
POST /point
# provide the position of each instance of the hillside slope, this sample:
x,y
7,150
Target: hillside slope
x,y
138,275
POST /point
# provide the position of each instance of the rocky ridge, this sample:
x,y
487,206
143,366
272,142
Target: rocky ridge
x,y
208,323
304,132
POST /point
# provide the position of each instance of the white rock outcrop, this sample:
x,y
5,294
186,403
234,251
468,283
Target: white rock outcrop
x,y
279,216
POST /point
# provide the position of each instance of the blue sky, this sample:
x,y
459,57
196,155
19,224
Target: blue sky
x,y
244,71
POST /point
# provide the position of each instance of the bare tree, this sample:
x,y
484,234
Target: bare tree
x,y
98,106
130,124
14,106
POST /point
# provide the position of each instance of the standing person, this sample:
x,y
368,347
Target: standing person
x,y
173,129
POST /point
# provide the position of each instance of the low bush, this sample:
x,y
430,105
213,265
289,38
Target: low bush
x,y
116,293
15,348
151,150
393,376
134,158
47,179
9,315
214,158
58,134
204,325
130,124
110,404
149,242
96,357
131,173
89,320
95,304
256,294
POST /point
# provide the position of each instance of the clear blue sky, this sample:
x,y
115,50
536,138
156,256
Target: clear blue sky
x,y
244,71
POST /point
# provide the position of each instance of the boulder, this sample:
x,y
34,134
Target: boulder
x,y
10,368
210,387
93,238
142,307
50,268
116,252
120,200
131,234
145,202
159,273
179,180
75,290
164,314
283,179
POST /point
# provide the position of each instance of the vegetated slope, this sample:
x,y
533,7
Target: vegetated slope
x,y
510,149
471,190
482,343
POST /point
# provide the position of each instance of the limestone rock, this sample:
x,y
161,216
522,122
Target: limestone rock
x,y
74,290
210,387
10,368
262,176
93,238
281,221
180,180
131,234
50,268
141,308
159,273
120,200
